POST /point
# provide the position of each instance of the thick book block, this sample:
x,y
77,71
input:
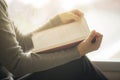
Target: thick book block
x,y
60,37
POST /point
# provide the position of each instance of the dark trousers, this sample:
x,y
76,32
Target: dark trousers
x,y
81,69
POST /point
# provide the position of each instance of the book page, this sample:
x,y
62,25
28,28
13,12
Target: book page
x,y
60,35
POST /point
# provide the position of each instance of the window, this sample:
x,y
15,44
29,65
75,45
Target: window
x,y
101,15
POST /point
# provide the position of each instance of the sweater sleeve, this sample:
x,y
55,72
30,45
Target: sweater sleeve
x,y
56,21
12,55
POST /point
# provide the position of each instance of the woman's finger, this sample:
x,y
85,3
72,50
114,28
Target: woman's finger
x,y
99,40
74,17
91,36
77,12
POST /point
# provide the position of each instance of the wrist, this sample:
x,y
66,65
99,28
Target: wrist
x,y
81,51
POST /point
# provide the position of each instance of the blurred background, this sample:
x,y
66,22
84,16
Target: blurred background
x,y
101,15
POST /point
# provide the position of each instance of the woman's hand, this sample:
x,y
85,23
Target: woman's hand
x,y
70,16
61,19
88,45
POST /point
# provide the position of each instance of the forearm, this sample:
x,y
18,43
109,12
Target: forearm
x,y
40,62
56,21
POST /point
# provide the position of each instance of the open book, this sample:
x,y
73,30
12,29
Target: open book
x,y
60,37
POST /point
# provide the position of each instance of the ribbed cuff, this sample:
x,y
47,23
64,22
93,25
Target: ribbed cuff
x,y
56,21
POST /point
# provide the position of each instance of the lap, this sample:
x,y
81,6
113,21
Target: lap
x,y
81,69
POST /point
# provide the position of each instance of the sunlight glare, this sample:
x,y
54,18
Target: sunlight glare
x,y
36,3
71,4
